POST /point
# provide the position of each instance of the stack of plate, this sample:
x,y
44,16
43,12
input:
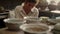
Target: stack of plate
x,y
56,29
13,23
35,28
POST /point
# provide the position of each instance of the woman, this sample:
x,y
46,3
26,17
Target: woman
x,y
52,6
42,5
43,8
58,5
27,9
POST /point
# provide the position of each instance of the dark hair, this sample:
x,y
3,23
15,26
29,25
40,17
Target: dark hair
x,y
31,1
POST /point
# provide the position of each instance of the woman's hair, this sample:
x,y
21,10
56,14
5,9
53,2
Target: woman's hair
x,y
31,1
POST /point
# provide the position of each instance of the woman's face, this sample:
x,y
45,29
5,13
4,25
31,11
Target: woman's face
x,y
29,5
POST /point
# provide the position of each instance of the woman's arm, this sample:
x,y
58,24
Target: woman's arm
x,y
35,12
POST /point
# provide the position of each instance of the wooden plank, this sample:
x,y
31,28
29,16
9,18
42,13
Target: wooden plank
x,y
5,31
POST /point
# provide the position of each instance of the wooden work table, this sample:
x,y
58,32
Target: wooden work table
x,y
5,31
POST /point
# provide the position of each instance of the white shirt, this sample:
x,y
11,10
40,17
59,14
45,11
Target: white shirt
x,y
20,13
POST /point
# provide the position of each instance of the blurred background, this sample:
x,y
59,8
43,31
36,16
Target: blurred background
x,y
10,4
